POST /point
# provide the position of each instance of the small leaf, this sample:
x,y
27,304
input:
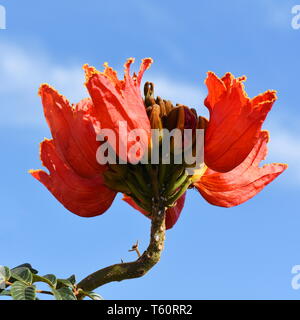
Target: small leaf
x,y
4,273
63,283
64,294
5,293
69,282
22,291
72,279
51,278
4,276
27,265
50,281
93,295
22,274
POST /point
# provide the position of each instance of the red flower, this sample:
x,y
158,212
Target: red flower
x,y
243,182
120,100
235,121
75,177
234,145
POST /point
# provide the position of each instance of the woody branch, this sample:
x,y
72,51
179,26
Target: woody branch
x,y
135,269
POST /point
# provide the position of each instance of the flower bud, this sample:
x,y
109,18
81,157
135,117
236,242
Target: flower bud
x,y
181,117
155,120
149,94
202,123
162,106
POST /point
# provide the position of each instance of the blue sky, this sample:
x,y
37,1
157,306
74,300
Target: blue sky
x,y
246,252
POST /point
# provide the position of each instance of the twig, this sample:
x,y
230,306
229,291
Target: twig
x,y
135,248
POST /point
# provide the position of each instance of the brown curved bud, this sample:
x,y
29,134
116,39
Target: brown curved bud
x,y
161,103
172,119
168,106
202,123
190,120
149,94
155,120
149,110
181,117
194,112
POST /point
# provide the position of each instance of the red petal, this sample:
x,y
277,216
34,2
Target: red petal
x,y
242,183
86,197
72,131
172,214
235,121
120,100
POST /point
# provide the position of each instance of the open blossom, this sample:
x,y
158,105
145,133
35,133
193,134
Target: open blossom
x,y
235,121
234,145
243,182
75,178
117,100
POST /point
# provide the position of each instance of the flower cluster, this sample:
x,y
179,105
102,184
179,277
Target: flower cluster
x,y
234,145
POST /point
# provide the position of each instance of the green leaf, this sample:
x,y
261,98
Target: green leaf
x,y
4,273
69,282
22,291
50,279
5,293
22,274
72,279
63,283
4,276
64,294
26,265
93,295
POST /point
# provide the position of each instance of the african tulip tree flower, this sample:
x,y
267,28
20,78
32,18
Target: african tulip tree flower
x,y
75,178
119,100
235,121
234,146
243,182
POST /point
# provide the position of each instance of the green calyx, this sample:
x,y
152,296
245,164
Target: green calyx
x,y
149,185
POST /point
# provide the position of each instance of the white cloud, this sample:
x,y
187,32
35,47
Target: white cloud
x,y
21,73
22,70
